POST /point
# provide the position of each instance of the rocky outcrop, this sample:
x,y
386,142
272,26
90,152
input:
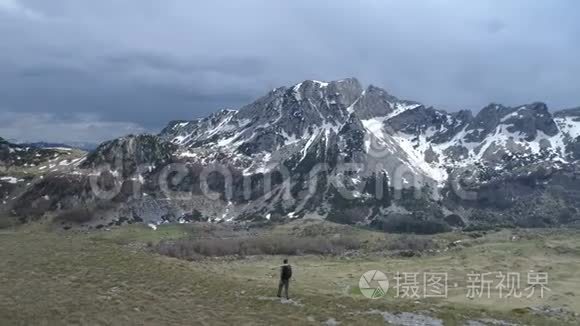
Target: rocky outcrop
x,y
128,153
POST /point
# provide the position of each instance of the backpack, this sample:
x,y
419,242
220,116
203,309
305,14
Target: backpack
x,y
286,272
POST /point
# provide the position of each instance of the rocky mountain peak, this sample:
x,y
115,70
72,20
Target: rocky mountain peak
x,y
573,112
338,94
530,119
524,120
486,121
298,127
376,102
539,107
128,153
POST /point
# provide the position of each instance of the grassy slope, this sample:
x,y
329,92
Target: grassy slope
x,y
107,278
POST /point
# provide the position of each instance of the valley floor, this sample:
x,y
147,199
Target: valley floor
x,y
113,278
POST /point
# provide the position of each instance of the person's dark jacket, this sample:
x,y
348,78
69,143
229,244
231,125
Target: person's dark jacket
x,y
286,273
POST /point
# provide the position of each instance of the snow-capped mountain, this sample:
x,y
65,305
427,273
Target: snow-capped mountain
x,y
430,141
505,165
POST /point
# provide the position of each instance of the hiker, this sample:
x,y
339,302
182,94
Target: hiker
x,y
285,275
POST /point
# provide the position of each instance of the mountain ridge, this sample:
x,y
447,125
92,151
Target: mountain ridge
x,y
426,163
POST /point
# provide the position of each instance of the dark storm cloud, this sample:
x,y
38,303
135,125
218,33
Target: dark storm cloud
x,y
147,89
134,65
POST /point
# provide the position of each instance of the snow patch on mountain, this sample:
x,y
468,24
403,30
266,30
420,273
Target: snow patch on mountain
x,y
570,126
399,108
415,149
11,180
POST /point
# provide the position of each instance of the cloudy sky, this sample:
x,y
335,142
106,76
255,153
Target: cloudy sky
x,y
85,70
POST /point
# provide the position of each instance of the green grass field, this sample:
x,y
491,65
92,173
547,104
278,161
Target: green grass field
x,y
113,278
